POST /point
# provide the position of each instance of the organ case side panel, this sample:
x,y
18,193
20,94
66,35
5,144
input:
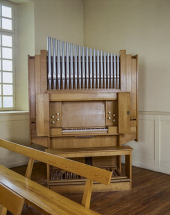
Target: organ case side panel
x,y
124,113
133,91
43,77
42,114
31,90
123,76
136,97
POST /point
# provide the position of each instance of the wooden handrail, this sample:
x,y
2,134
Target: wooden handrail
x,y
89,172
40,197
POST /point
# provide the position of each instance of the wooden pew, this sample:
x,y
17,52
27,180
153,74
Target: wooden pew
x,y
48,201
10,200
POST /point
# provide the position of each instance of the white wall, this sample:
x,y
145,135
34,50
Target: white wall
x,y
25,44
153,149
35,20
61,19
14,127
141,27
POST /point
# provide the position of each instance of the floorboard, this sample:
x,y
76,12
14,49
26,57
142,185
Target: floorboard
x,y
150,194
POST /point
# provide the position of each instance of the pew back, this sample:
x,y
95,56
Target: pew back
x,y
89,172
24,187
10,200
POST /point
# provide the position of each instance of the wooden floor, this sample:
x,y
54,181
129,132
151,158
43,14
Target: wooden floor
x,y
150,194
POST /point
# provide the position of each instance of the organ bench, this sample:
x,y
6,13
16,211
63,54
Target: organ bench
x,y
92,152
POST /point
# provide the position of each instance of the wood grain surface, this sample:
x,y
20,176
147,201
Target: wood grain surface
x,y
88,152
41,197
84,170
10,200
150,194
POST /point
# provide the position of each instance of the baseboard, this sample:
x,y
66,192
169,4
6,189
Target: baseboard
x,y
14,161
151,167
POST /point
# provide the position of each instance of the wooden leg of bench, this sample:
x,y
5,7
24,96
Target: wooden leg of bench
x,y
119,158
119,165
128,165
48,174
3,210
87,193
29,168
29,171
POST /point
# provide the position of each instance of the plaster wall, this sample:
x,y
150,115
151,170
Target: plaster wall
x,y
140,27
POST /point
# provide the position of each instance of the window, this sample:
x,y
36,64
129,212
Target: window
x,y
6,57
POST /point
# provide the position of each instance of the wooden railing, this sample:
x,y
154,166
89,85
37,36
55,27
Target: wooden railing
x,y
41,194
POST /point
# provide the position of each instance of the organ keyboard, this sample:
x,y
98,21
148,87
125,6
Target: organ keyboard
x,y
85,131
83,98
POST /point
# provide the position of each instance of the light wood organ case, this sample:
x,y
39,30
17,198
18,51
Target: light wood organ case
x,y
83,105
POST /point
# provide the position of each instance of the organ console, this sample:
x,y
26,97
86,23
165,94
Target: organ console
x,y
84,106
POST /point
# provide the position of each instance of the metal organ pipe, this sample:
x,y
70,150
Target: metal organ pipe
x,y
87,69
94,68
83,68
71,65
98,74
108,72
105,70
54,62
91,72
111,70
67,66
115,73
63,66
117,78
76,67
101,68
79,65
58,66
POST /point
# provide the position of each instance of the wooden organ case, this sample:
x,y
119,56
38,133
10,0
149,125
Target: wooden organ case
x,y
84,106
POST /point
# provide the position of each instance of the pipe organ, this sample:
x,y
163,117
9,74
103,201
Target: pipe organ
x,y
84,106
